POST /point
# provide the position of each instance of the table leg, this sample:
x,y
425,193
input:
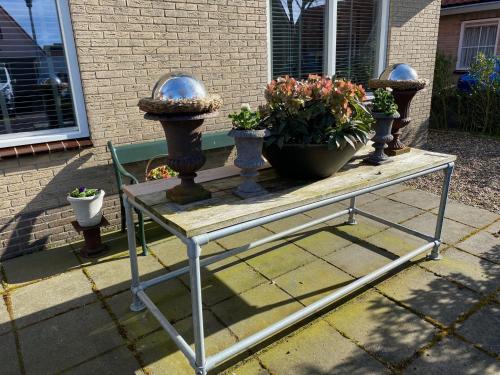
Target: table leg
x,y
352,218
194,252
435,254
137,304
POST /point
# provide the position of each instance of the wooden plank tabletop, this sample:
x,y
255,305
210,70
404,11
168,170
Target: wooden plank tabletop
x,y
224,209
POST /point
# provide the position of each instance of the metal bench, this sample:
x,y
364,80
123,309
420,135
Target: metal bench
x,y
138,152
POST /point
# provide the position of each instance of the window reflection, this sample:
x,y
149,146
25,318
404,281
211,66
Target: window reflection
x,y
34,83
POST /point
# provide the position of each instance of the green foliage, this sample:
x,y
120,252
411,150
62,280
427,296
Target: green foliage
x,y
384,102
83,192
246,119
476,111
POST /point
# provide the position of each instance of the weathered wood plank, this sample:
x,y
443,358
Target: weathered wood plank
x,y
224,209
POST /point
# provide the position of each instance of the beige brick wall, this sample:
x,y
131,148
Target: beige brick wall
x,y
123,46
413,36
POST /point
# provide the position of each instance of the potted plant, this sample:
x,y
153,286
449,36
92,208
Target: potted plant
x,y
316,124
87,205
384,111
249,137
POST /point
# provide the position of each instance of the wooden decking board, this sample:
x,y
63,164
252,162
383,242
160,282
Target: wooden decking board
x,y
224,209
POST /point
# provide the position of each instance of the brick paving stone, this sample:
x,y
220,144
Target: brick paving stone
x,y
358,260
5,325
452,356
117,362
478,274
429,294
417,198
391,190
319,349
483,328
9,362
382,327
473,216
320,240
161,355
397,242
68,339
171,297
39,265
452,232
313,281
483,244
49,297
113,275
391,210
276,258
255,309
249,366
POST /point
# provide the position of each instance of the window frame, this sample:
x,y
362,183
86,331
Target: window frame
x,y
81,130
477,22
331,38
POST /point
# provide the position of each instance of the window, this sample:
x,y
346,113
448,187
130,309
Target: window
x,y
342,37
41,97
476,37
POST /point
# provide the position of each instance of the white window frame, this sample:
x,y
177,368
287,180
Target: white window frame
x,y
81,130
479,22
331,37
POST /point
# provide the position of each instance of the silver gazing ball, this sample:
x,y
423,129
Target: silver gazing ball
x,y
399,72
178,86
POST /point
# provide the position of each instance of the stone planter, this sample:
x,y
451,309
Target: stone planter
x,y
403,99
311,162
383,128
88,210
249,159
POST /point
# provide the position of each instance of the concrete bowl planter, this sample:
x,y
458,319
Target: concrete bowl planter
x,y
88,210
249,158
383,129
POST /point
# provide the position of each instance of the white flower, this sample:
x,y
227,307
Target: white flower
x,y
246,107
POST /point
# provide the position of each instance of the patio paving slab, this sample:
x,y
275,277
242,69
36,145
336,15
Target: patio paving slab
x,y
243,238
68,339
494,228
319,349
283,258
472,216
429,294
452,232
313,281
287,223
171,297
482,244
452,356
328,210
255,309
5,325
396,242
247,367
385,329
483,327
417,198
478,274
391,210
357,260
116,362
26,269
354,233
161,355
50,297
319,240
391,190
112,275
9,361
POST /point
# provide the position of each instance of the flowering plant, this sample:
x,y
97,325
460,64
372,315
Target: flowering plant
x,y
246,119
316,110
83,192
161,172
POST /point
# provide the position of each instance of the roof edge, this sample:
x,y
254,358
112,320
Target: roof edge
x,y
469,8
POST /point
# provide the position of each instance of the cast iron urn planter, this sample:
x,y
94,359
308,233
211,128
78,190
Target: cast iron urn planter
x,y
383,127
249,159
181,104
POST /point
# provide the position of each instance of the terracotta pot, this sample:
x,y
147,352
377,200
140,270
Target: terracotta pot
x,y
308,161
88,210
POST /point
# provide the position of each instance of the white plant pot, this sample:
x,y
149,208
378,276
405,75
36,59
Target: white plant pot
x,y
88,210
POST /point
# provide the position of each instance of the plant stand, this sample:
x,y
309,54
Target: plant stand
x,y
92,236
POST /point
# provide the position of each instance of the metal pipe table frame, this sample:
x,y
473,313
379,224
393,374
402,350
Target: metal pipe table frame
x,y
200,363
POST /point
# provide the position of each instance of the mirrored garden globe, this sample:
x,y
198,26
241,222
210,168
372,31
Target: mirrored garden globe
x,y
399,72
178,86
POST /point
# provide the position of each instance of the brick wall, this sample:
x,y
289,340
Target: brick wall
x,y
123,47
413,36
